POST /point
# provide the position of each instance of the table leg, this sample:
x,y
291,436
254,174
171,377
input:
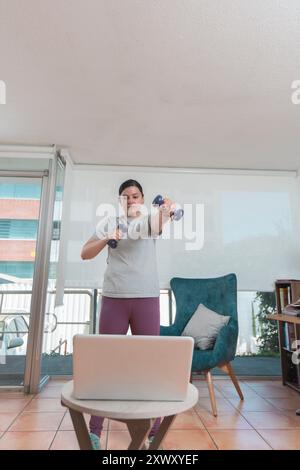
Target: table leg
x,y
81,430
139,430
161,433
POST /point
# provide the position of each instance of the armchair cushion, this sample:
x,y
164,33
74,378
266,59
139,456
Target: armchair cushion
x,y
204,327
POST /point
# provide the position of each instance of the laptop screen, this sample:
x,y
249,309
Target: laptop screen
x,y
119,367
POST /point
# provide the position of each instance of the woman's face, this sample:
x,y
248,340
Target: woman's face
x,y
132,198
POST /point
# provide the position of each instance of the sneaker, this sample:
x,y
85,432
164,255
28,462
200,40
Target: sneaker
x,y
95,440
150,440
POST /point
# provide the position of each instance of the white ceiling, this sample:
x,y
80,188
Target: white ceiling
x,y
200,83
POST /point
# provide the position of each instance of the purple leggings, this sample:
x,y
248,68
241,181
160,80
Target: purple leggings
x,y
143,317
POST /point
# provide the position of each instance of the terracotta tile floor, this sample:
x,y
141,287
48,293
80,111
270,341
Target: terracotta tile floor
x,y
265,420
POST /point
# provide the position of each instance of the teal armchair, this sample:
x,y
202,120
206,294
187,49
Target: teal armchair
x,y
218,294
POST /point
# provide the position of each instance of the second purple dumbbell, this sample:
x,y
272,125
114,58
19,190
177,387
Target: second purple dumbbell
x,y
177,214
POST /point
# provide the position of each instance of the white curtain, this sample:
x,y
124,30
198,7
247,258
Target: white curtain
x,y
250,225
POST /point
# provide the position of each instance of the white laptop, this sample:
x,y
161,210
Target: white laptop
x,y
118,367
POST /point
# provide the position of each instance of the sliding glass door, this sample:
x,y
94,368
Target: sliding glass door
x,y
20,203
30,212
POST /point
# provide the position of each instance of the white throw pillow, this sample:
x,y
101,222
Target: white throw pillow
x,y
204,327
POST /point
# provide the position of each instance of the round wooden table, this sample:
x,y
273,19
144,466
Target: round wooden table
x,y
139,416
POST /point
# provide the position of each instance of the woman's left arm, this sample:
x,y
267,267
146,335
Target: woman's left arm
x,y
158,220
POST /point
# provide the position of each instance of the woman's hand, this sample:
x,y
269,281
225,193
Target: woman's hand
x,y
167,207
115,235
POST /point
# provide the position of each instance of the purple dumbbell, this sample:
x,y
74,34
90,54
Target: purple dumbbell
x,y
112,243
177,214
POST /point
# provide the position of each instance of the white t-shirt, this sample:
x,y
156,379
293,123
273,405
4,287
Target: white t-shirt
x,y
131,267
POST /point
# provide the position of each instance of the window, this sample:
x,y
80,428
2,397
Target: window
x,y
14,229
23,269
20,191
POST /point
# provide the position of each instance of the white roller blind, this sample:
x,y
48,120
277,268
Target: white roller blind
x,y
251,224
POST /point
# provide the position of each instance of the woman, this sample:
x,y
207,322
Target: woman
x,y
130,295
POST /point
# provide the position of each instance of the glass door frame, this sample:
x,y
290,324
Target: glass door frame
x,y
32,379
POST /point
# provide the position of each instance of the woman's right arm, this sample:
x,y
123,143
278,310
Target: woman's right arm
x,y
93,246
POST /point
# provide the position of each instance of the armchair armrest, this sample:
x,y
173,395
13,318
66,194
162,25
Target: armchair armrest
x,y
225,345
